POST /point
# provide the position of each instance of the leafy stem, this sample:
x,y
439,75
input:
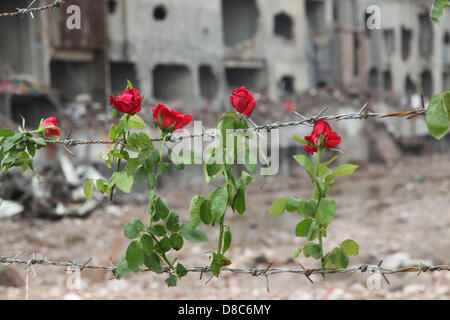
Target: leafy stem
x,y
119,162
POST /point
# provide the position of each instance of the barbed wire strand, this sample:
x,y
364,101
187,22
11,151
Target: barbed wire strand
x,y
24,11
363,114
266,272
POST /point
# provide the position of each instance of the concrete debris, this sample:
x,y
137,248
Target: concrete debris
x,y
58,192
9,209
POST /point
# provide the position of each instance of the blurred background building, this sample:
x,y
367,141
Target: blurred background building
x,y
189,54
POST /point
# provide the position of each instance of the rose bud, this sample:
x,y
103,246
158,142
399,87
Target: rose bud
x,y
129,102
50,122
243,101
171,120
321,137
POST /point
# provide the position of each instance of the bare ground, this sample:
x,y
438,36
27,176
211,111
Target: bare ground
x,y
386,209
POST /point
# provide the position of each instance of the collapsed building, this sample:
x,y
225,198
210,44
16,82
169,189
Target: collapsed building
x,y
190,54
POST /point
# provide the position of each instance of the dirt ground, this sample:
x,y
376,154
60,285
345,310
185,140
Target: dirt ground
x,y
400,212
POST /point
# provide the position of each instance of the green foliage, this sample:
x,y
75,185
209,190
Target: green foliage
x,y
319,212
438,115
437,10
219,161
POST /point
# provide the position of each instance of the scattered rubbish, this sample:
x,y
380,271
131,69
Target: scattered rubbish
x,y
9,209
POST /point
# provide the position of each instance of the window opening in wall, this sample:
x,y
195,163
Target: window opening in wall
x,y
406,43
120,72
159,13
284,26
387,81
240,20
209,85
389,41
425,35
172,82
427,83
410,86
112,6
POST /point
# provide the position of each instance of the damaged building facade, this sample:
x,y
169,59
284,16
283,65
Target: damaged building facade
x,y
190,54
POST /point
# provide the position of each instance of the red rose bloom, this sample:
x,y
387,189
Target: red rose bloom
x,y
169,117
322,130
243,101
50,122
129,102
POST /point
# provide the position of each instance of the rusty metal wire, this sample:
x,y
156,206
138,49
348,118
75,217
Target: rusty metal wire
x,y
24,11
267,272
363,114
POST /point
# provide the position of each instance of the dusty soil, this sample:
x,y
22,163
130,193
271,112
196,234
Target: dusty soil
x,y
387,209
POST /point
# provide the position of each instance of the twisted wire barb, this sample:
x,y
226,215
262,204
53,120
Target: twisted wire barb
x,y
268,271
363,114
24,11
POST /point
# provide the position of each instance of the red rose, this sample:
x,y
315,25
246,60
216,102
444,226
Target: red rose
x,y
50,122
321,133
129,102
169,117
243,101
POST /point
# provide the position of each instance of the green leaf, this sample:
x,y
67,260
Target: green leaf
x,y
7,133
176,241
306,163
313,250
133,229
327,211
135,255
313,231
227,237
350,247
194,210
163,168
194,235
135,122
299,140
158,230
139,140
278,207
147,244
162,211
205,212
122,268
239,201
164,245
307,209
149,156
89,189
171,281
293,204
244,180
437,10
301,230
297,252
344,169
219,200
181,270
172,222
339,258
153,262
438,117
123,180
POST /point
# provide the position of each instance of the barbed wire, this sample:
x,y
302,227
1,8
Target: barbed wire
x,y
266,272
24,11
363,114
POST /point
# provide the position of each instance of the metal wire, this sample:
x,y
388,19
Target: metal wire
x,y
267,272
363,114
23,12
